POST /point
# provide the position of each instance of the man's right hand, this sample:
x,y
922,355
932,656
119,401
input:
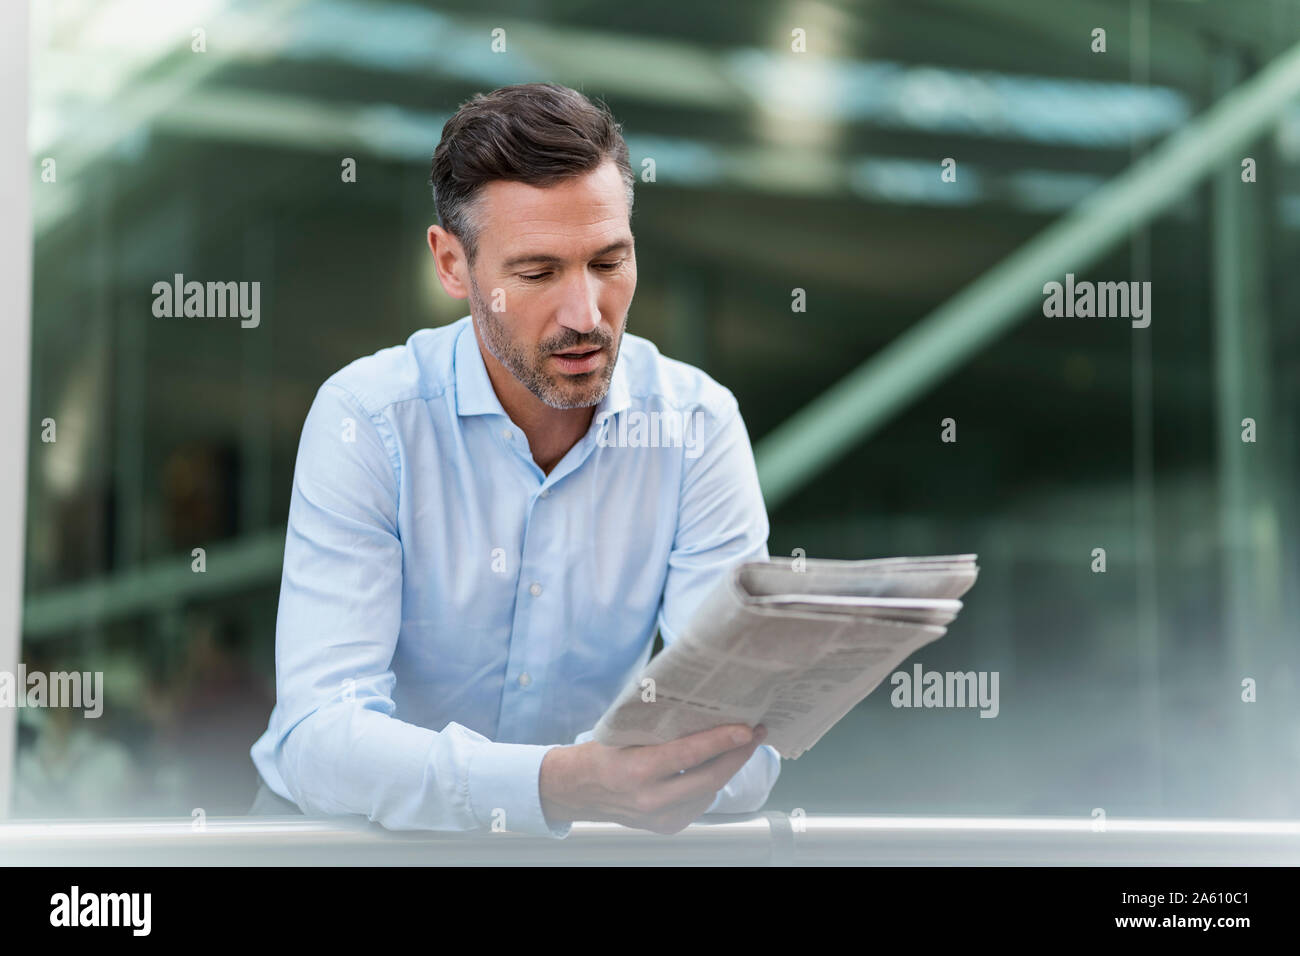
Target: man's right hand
x,y
643,787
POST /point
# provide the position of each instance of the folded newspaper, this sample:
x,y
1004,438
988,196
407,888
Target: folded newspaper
x,y
792,644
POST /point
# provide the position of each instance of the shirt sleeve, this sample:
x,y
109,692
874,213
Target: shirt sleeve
x,y
721,522
339,748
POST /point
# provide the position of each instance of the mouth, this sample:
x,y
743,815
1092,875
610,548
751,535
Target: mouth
x,y
578,361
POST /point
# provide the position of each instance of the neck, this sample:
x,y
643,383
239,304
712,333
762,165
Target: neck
x,y
551,432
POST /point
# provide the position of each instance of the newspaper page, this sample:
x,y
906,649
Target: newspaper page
x,y
794,648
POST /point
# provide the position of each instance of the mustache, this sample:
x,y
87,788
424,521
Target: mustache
x,y
573,340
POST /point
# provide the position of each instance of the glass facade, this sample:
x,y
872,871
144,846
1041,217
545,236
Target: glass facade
x,y
816,182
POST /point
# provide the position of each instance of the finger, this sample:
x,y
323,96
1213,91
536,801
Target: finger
x,y
694,749
681,816
708,778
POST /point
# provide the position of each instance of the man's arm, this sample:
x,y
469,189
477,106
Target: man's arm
x,y
340,749
721,522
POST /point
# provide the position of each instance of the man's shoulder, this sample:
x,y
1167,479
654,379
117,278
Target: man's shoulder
x,y
419,368
655,379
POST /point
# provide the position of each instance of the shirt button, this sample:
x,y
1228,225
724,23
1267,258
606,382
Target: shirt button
x,y
524,679
534,589
505,433
546,492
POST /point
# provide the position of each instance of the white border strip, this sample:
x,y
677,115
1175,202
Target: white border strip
x,y
15,357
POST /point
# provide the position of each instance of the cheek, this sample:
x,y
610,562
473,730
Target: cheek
x,y
526,322
627,285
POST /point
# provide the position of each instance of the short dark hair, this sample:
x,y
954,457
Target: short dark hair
x,y
534,133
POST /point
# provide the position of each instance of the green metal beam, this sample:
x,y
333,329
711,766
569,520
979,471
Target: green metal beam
x,y
852,409
248,562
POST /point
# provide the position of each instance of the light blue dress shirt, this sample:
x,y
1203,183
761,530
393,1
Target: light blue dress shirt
x,y
448,613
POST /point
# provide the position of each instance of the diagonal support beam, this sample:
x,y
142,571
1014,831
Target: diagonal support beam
x,y
813,438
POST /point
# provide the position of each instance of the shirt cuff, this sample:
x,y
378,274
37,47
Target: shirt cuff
x,y
504,785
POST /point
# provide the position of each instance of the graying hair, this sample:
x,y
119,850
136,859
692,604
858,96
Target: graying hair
x,y
534,133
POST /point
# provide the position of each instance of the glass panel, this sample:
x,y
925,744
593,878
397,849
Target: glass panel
x,y
1128,487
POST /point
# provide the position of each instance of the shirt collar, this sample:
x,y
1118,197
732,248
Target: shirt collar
x,y
476,396
474,392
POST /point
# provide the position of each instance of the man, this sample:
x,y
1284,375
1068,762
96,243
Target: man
x,y
477,553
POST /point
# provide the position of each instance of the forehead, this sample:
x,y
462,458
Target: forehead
x,y
587,209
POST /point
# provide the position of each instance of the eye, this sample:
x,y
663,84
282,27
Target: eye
x,y
536,277
609,266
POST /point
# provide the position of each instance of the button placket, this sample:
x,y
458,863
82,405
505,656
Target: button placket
x,y
520,710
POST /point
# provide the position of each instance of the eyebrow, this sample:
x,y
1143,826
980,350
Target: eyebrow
x,y
542,257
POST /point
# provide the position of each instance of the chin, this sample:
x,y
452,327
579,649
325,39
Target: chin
x,y
566,398
578,401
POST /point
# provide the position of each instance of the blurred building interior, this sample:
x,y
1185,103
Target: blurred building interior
x,y
773,171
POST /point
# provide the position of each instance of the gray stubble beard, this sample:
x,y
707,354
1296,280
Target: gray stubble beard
x,y
530,372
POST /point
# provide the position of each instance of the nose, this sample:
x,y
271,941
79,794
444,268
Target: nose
x,y
579,309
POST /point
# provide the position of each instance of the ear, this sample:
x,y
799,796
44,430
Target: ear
x,y
450,261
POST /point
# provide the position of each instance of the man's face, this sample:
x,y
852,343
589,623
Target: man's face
x,y
551,286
